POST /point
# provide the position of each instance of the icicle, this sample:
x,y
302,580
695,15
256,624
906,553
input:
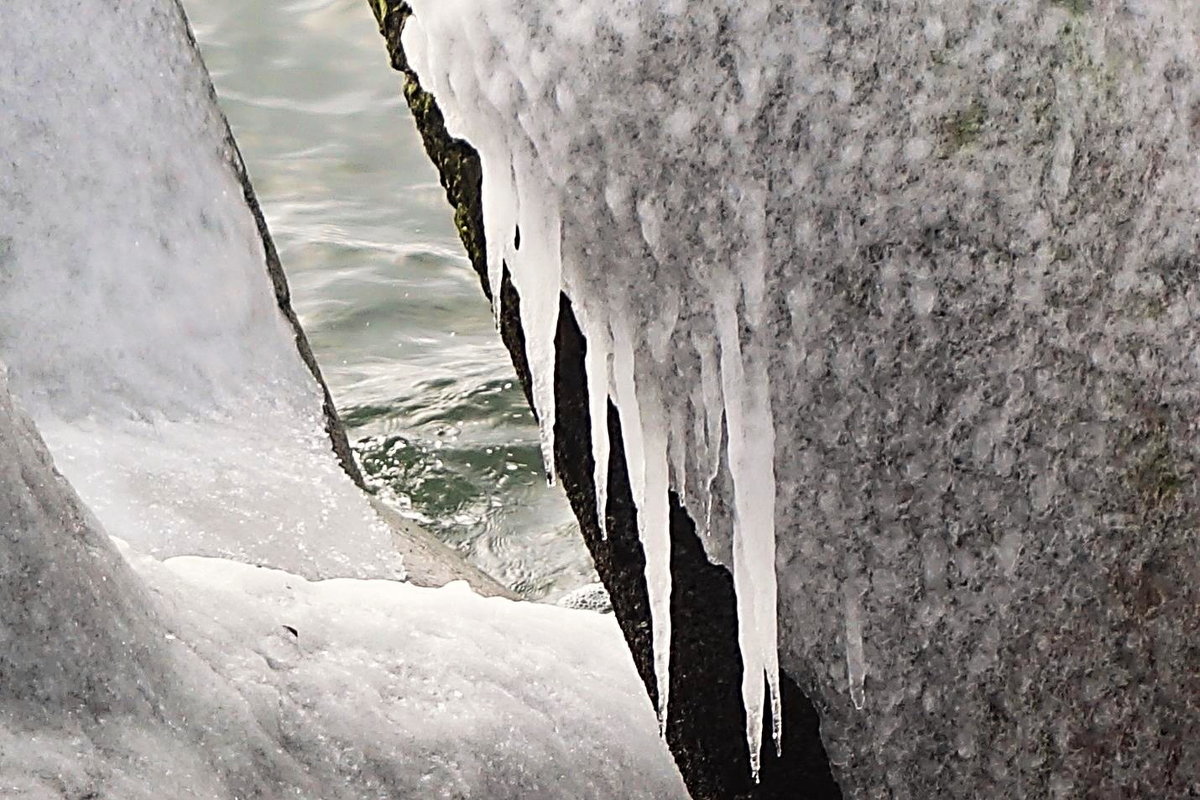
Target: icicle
x,y
646,460
856,665
714,417
677,449
656,544
697,501
537,276
751,463
500,221
597,367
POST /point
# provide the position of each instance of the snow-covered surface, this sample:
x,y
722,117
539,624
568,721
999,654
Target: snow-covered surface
x,y
203,677
914,286
399,691
137,316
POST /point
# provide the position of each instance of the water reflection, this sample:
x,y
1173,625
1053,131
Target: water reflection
x,y
391,306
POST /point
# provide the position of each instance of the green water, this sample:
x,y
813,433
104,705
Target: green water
x,y
395,314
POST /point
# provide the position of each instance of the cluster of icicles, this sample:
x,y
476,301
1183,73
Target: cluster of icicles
x,y
675,339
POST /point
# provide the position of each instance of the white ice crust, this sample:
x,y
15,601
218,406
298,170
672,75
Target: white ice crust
x,y
200,677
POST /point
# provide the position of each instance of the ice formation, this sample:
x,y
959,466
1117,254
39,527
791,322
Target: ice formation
x,y
552,139
856,668
915,288
138,319
211,678
253,640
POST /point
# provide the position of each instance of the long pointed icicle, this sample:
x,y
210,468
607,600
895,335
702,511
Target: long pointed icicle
x,y
751,462
646,459
537,276
596,366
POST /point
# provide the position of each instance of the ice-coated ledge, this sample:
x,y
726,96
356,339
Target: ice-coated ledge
x,y
144,319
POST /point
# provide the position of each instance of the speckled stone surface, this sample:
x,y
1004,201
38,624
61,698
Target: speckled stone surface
x,y
992,397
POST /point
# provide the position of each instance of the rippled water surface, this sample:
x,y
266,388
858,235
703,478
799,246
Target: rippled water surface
x,y
392,308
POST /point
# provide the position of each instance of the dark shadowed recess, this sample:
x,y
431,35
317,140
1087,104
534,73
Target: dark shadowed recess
x,y
707,723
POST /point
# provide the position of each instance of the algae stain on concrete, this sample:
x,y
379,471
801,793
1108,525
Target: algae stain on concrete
x,y
964,128
1076,7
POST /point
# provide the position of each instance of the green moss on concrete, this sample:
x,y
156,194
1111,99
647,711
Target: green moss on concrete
x,y
965,127
1076,7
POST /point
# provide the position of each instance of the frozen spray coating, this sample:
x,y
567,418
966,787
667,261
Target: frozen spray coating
x,y
255,682
657,233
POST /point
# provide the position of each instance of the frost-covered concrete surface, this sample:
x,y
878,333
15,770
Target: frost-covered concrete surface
x,y
203,677
144,335
921,278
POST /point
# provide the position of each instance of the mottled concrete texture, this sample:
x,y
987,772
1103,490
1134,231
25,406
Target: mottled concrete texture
x,y
990,384
985,247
